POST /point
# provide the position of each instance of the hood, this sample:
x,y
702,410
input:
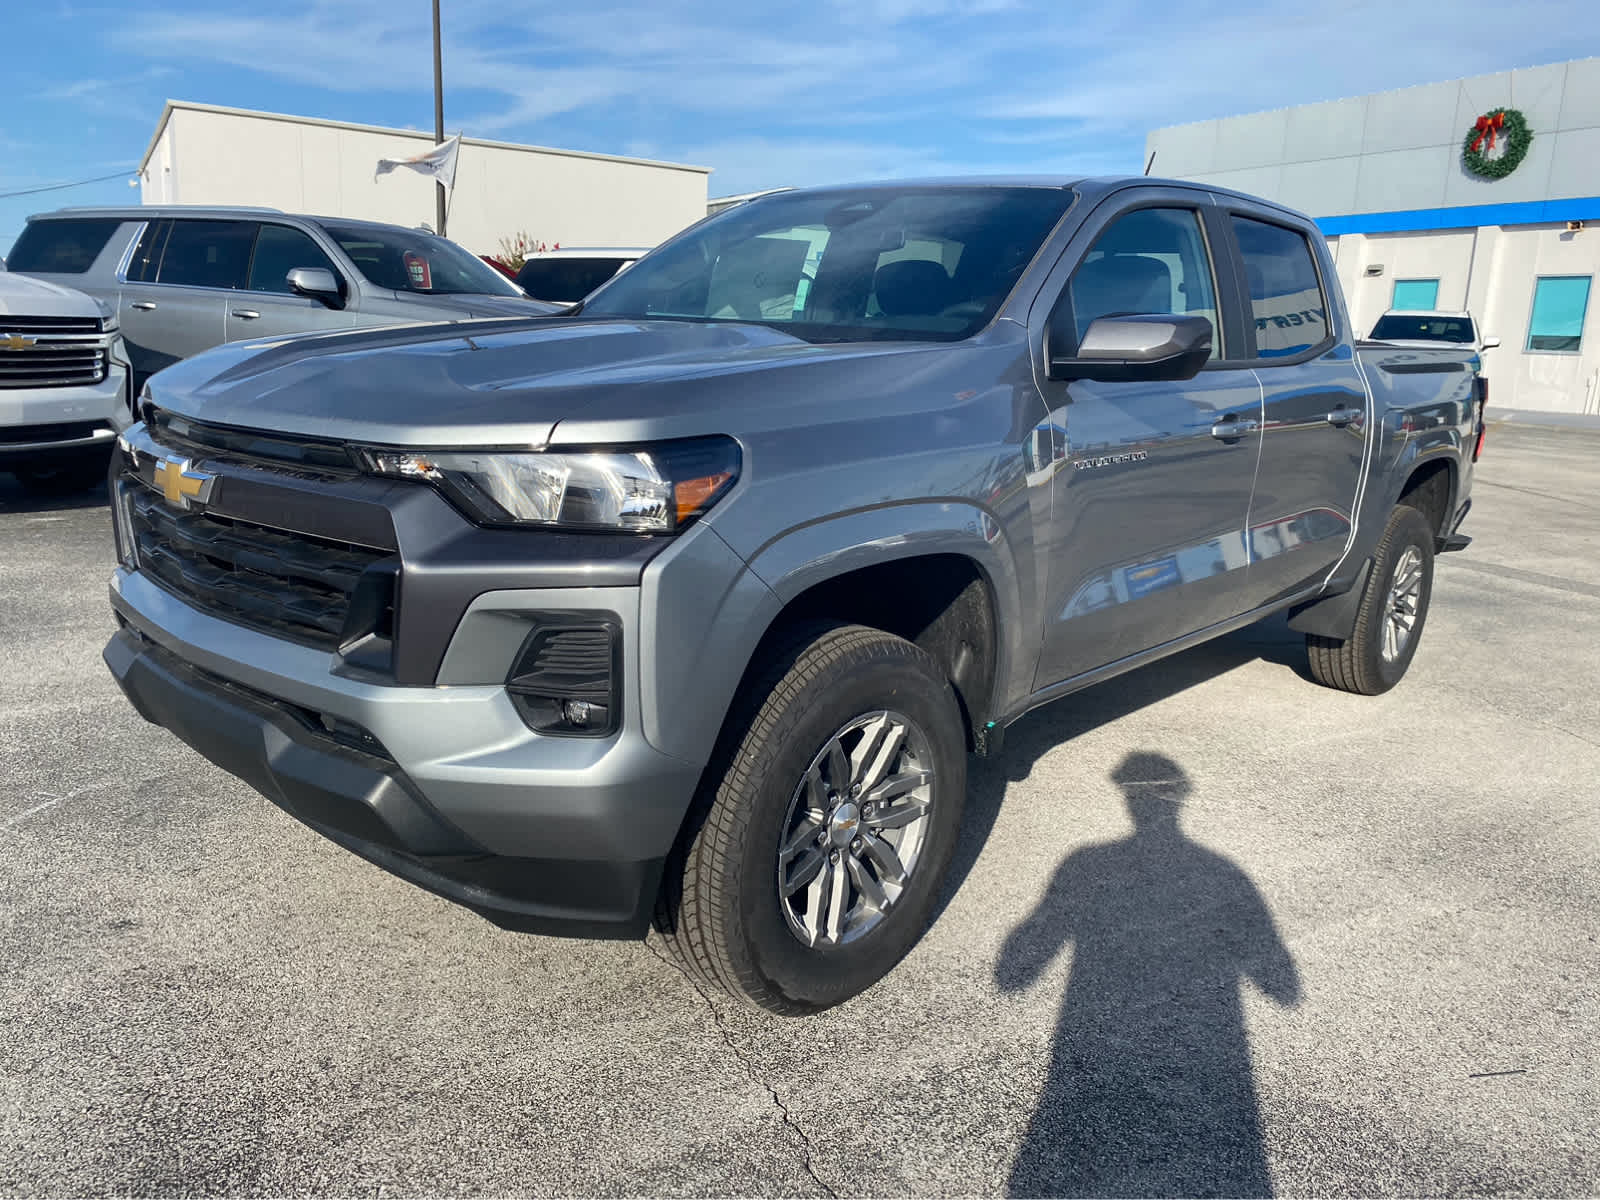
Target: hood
x,y
24,296
503,383
450,306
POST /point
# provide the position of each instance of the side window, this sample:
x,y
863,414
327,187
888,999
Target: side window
x,y
1152,260
61,246
146,260
279,250
1559,305
1290,312
212,254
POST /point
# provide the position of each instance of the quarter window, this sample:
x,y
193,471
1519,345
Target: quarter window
x,y
1153,260
280,250
1415,295
1286,298
61,246
212,254
1560,303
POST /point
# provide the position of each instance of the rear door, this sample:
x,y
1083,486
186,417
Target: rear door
x,y
1145,541
267,306
173,302
1313,440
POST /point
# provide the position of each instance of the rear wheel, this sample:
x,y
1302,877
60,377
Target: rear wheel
x,y
1389,620
826,826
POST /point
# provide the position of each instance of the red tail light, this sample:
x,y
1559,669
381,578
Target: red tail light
x,y
1483,427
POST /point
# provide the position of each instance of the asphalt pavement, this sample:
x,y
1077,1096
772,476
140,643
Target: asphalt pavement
x,y
1349,949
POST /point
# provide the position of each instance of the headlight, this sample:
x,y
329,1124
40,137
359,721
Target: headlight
x,y
108,316
651,489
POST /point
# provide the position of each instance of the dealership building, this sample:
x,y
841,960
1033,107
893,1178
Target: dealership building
x,y
205,154
1480,194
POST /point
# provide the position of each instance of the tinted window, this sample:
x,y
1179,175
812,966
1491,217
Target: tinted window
x,y
207,253
146,260
1285,293
1415,295
1152,260
280,250
403,260
565,278
875,263
1399,328
1559,305
61,247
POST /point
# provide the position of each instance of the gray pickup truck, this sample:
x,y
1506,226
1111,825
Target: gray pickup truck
x,y
688,608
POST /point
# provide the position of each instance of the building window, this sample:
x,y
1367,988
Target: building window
x,y
1559,304
1415,295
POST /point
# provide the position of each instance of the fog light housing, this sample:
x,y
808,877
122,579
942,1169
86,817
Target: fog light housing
x,y
566,679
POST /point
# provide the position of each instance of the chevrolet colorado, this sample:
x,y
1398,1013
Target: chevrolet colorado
x,y
686,607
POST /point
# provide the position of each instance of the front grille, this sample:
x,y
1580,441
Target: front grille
x,y
307,457
293,585
51,352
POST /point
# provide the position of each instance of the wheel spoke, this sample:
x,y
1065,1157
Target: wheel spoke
x,y
838,767
817,902
896,816
838,893
899,785
862,757
869,887
805,834
816,795
887,751
884,858
804,871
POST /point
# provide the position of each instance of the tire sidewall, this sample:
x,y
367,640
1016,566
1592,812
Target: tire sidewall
x,y
819,977
1407,527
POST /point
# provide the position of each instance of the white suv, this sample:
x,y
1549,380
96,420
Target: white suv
x,y
63,384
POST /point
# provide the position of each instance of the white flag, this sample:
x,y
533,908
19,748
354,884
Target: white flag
x,y
440,162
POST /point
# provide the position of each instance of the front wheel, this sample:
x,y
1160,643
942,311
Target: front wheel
x,y
825,826
1389,620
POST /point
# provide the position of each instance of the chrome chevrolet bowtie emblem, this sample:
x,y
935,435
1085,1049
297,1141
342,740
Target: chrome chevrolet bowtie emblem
x,y
181,484
16,341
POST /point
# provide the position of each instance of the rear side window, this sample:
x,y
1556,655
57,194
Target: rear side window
x,y
279,250
146,258
61,246
565,278
212,254
1290,311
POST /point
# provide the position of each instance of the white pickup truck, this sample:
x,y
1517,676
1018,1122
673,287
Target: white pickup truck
x,y
63,385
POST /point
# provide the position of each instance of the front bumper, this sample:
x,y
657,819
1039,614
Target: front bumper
x,y
43,423
452,791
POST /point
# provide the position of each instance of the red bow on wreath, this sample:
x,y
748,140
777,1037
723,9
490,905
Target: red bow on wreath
x,y
1488,127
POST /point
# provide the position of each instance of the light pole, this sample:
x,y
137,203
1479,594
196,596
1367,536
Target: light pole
x,y
438,106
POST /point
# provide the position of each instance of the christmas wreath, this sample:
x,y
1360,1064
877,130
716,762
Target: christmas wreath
x,y
1501,123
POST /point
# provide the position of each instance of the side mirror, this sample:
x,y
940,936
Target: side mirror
x,y
1144,346
316,282
1490,343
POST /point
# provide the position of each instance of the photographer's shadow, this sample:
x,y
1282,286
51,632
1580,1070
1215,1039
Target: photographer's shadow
x,y
1150,1090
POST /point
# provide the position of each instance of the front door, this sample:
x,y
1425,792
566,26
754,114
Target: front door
x,y
1314,428
268,307
1146,539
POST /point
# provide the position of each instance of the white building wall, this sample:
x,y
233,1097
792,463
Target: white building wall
x,y
206,156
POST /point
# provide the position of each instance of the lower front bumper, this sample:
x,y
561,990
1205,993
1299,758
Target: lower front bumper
x,y
350,791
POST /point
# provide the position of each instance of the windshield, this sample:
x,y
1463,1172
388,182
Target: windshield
x,y
1399,327
876,263
407,261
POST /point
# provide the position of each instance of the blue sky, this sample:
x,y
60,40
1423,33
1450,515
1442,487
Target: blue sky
x,y
767,93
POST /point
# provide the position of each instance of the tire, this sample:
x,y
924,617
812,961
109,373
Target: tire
x,y
773,781
65,477
1367,662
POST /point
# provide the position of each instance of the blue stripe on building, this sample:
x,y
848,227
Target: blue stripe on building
x,y
1534,212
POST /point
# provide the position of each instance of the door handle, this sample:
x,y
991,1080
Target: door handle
x,y
144,305
1343,416
1234,428
245,314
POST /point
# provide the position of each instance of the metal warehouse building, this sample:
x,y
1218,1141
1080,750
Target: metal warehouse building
x,y
1420,218
203,154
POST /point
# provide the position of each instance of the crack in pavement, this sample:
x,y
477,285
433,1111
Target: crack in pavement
x,y
750,1067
